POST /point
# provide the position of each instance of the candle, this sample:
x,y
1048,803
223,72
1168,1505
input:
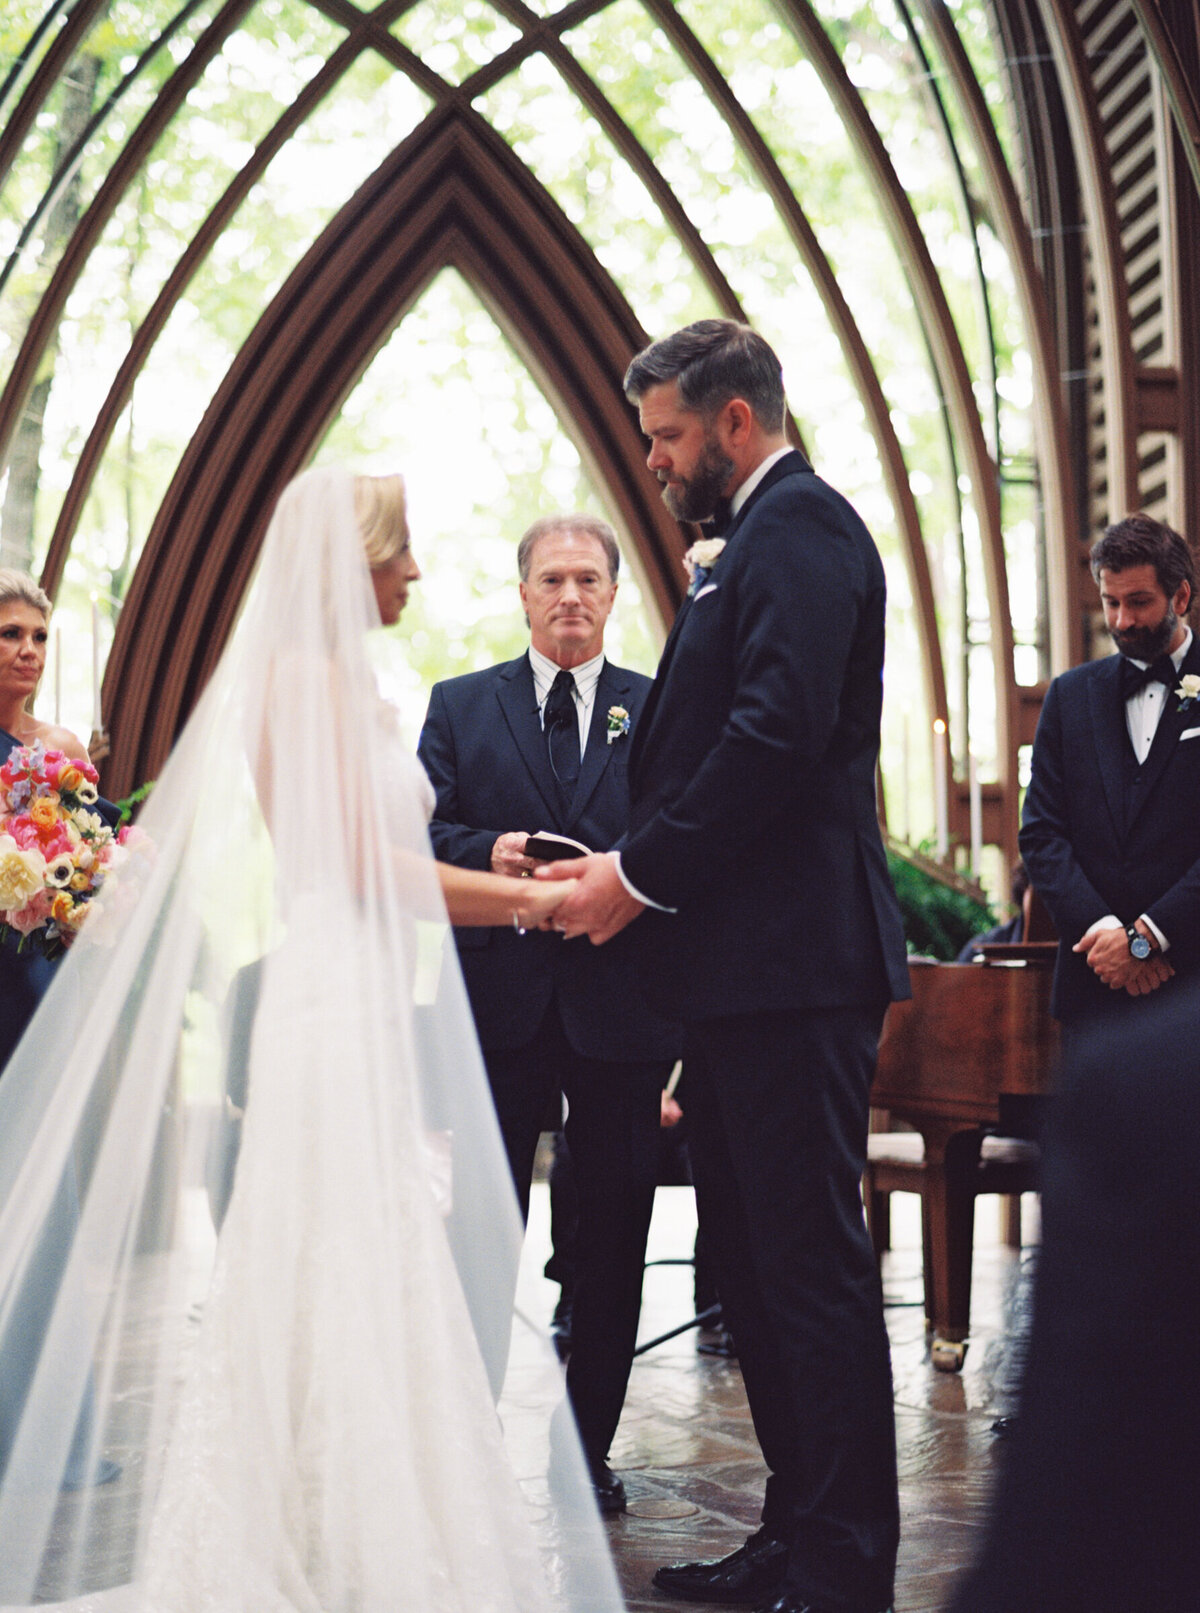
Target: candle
x,y
976,799
97,715
57,675
941,788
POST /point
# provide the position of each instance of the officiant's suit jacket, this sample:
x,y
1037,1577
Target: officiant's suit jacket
x,y
1102,834
483,747
753,770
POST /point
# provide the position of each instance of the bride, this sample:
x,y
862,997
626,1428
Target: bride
x,y
295,1416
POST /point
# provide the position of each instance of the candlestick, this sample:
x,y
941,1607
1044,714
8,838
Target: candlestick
x,y
941,788
975,796
97,715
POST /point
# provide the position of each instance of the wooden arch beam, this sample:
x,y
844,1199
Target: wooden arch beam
x,y
452,195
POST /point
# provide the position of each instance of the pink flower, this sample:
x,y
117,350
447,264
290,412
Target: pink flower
x,y
24,831
33,915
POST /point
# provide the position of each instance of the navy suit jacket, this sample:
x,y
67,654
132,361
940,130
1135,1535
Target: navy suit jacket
x,y
1102,835
483,747
753,771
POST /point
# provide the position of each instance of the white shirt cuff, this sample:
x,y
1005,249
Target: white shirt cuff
x,y
637,895
1111,922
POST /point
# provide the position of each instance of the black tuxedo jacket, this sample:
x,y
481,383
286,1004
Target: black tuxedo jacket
x,y
1102,835
753,771
483,747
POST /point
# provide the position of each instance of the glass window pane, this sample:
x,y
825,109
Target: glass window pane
x,y
352,130
455,37
448,402
568,152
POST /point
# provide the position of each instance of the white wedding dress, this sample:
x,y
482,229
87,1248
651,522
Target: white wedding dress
x,y
299,1408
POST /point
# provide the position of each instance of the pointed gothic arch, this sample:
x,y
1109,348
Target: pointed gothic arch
x,y
453,195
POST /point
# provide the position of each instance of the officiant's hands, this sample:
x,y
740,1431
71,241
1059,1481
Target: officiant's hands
x,y
599,906
508,856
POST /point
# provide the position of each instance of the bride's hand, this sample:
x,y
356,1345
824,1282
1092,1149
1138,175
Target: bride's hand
x,y
538,902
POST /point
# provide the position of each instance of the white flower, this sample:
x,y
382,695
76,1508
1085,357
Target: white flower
x,y
21,874
1189,686
88,793
618,723
703,554
60,870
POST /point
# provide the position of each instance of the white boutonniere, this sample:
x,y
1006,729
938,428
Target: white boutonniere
x,y
702,556
1188,690
618,723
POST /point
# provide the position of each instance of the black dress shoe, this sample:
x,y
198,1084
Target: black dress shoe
x,y
607,1488
743,1579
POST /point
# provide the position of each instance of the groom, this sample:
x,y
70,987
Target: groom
x,y
774,933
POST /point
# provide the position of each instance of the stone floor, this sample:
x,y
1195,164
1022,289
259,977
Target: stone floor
x,y
686,1449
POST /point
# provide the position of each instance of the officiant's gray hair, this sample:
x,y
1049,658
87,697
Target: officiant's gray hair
x,y
19,587
713,360
578,524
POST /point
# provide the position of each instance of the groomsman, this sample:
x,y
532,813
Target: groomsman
x,y
777,939
1111,830
542,743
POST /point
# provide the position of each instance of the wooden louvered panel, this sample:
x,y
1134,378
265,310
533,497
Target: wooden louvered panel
x,y
1126,88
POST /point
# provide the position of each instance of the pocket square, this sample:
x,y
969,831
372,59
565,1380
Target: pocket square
x,y
709,588
1189,733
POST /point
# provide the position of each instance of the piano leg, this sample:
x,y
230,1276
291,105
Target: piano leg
x,y
948,1227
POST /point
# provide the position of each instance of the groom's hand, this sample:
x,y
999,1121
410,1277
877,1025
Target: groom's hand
x,y
599,906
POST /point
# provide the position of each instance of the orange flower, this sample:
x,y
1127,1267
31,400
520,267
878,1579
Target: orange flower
x,y
62,908
70,778
41,811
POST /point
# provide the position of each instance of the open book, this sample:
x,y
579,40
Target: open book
x,y
551,847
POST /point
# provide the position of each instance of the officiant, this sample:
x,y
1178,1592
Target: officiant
x,y
541,744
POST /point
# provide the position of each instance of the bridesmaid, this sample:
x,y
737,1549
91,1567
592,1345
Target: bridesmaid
x,y
24,634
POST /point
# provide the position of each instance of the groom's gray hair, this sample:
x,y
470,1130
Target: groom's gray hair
x,y
575,524
713,360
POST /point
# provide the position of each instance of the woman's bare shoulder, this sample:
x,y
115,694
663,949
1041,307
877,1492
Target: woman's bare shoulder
x,y
54,737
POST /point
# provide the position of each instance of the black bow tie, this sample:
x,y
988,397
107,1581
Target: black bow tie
x,y
1135,678
718,522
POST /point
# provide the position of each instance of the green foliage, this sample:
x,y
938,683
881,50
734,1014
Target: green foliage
x,y
938,919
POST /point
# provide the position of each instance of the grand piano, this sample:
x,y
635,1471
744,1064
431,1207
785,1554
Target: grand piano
x,y
963,1058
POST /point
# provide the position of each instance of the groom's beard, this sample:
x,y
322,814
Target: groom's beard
x,y
694,498
1147,643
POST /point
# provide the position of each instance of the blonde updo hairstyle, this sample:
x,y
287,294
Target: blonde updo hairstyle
x,y
382,514
18,587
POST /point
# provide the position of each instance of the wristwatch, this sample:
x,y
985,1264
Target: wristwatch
x,y
1139,946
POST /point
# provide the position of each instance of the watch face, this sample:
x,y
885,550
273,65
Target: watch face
x,y
1139,946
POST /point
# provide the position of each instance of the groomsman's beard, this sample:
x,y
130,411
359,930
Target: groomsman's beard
x,y
694,498
1147,643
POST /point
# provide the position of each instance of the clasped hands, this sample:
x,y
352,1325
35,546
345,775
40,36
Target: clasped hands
x,y
1108,956
597,906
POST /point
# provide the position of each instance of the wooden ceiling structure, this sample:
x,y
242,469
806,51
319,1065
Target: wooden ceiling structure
x,y
1096,213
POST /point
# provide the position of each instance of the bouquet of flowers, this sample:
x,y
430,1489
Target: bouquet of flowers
x,y
55,850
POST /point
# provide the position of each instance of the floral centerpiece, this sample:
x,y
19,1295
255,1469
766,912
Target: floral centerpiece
x,y
55,849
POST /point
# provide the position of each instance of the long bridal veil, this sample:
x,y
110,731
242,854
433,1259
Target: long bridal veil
x,y
258,1243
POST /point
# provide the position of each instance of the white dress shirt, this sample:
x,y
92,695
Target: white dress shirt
x,y
1143,713
586,676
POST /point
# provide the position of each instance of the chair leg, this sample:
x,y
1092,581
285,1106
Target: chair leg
x,y
1010,1219
878,1207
